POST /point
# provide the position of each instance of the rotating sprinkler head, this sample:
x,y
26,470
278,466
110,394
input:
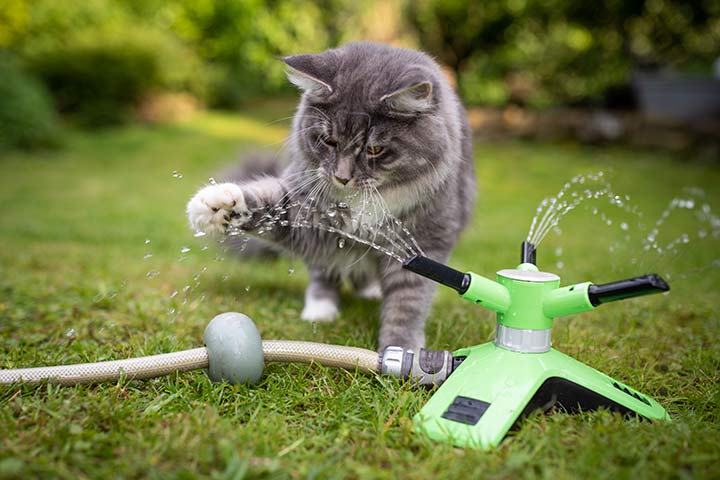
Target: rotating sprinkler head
x,y
497,382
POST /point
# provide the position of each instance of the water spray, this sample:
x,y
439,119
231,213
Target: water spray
x,y
483,389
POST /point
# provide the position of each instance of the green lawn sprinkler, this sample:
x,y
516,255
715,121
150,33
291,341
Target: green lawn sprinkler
x,y
494,384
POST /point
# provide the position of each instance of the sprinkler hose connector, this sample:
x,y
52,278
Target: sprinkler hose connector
x,y
426,367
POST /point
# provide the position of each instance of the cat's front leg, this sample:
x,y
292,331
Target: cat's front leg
x,y
407,298
216,208
221,207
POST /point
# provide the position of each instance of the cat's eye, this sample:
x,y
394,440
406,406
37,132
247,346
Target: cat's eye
x,y
374,150
328,141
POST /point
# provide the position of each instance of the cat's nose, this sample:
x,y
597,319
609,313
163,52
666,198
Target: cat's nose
x,y
342,180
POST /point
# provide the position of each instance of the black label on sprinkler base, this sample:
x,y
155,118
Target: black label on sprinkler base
x,y
466,410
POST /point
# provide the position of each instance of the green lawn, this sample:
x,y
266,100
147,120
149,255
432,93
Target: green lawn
x,y
74,287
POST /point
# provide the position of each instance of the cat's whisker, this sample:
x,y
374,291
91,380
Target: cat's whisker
x,y
309,197
372,241
302,184
322,114
383,226
386,212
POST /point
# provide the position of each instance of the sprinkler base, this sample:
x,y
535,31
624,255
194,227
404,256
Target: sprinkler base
x,y
494,387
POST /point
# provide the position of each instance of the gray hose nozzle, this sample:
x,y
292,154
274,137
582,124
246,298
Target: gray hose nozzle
x,y
428,367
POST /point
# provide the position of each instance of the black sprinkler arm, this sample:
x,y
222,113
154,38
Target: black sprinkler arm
x,y
438,272
631,287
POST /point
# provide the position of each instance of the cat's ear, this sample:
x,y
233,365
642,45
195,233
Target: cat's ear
x,y
309,72
414,99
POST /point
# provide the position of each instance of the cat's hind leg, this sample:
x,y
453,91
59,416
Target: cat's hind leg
x,y
322,297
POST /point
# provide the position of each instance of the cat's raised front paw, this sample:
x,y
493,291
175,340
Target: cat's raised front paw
x,y
216,208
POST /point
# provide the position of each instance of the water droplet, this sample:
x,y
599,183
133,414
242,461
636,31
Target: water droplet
x,y
70,333
212,181
342,205
331,213
177,174
225,278
184,249
558,251
560,265
152,274
247,288
147,241
199,234
147,255
186,288
341,243
204,247
291,271
624,226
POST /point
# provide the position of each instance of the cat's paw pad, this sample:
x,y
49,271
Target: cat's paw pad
x,y
217,208
319,310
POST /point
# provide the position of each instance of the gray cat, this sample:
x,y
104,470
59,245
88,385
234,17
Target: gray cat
x,y
380,149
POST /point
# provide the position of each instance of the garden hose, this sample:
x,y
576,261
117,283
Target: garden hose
x,y
153,366
235,353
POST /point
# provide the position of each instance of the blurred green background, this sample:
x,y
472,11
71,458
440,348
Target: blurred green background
x,y
100,62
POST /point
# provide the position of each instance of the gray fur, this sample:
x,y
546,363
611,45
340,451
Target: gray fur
x,y
358,96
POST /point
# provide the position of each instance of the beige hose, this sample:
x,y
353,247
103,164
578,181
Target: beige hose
x,y
338,356
159,365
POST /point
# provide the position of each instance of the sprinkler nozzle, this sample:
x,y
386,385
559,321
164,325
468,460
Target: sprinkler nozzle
x,y
528,253
631,287
438,272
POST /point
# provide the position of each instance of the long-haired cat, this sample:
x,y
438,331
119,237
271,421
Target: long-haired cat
x,y
379,139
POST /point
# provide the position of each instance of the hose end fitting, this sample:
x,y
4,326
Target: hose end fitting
x,y
428,367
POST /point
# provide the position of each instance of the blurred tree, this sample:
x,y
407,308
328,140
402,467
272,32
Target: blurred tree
x,y
27,119
543,52
456,30
242,39
98,59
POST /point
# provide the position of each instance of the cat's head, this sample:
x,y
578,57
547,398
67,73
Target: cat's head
x,y
370,116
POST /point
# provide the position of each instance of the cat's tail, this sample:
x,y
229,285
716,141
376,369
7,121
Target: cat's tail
x,y
253,166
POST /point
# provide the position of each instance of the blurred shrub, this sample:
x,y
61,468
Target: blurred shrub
x,y
242,40
27,119
100,75
549,52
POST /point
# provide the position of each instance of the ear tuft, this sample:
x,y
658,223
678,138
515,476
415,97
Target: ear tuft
x,y
305,72
417,98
